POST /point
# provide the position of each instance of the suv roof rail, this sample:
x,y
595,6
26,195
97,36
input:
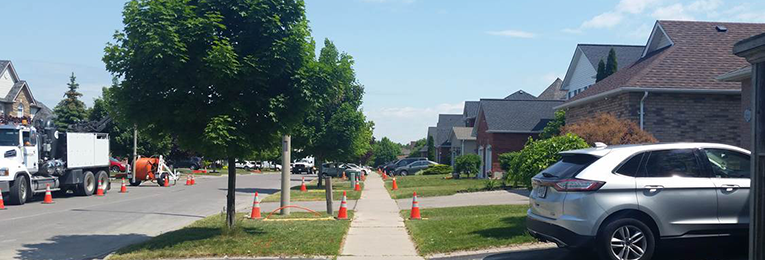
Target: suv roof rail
x,y
600,145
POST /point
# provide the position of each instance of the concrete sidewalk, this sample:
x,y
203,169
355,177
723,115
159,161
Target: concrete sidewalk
x,y
377,222
499,197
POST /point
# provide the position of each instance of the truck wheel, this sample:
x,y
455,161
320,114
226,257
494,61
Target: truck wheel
x,y
19,191
103,178
135,183
88,185
161,180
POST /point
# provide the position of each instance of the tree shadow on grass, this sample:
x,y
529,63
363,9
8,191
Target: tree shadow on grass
x,y
516,226
188,234
77,246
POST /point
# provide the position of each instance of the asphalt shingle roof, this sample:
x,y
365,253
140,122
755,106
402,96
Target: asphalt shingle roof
x,y
3,64
625,54
522,116
554,91
444,127
700,53
470,110
521,95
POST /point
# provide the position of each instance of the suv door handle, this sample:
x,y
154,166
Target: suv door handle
x,y
654,188
730,187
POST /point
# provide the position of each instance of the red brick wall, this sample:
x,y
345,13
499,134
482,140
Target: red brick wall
x,y
674,117
500,143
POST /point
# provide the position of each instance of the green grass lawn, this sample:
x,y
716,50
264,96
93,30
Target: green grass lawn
x,y
251,238
436,185
446,230
314,193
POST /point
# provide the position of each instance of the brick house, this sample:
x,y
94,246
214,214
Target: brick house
x,y
504,125
672,91
743,76
443,136
16,98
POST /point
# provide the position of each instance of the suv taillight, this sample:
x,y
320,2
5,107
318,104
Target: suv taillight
x,y
577,185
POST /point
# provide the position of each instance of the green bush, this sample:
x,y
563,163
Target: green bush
x,y
467,164
536,156
437,169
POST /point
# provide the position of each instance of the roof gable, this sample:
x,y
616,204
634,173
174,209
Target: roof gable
x,y
520,95
470,110
554,91
444,127
698,55
625,54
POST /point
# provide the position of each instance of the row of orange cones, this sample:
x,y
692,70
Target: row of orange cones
x,y
99,192
357,187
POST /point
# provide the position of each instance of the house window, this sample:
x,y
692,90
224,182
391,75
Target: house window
x,y
20,110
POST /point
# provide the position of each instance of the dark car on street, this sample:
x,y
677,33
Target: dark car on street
x,y
391,168
194,163
413,167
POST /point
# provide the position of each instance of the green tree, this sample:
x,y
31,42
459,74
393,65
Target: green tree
x,y
467,164
553,127
611,64
71,109
385,151
225,78
431,149
418,145
601,74
335,129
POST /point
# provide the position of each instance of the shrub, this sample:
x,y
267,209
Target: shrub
x,y
537,156
467,164
437,169
554,126
608,129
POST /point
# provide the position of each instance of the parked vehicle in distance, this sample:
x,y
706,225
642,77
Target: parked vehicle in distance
x,y
194,163
391,168
336,170
624,200
357,168
117,166
246,165
413,167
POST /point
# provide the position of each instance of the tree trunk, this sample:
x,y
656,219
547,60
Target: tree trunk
x,y
230,208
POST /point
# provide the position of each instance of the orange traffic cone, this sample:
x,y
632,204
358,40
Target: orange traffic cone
x,y
358,186
193,180
415,208
100,190
385,175
344,178
2,204
48,197
302,185
255,214
123,189
188,180
363,177
343,212
167,181
395,186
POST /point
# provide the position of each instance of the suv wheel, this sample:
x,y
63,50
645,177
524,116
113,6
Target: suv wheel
x,y
403,173
626,239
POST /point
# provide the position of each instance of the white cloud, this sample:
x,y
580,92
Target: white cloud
x,y
704,6
513,33
571,31
634,6
404,124
672,12
744,13
604,20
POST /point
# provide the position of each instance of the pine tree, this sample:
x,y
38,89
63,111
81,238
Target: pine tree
x,y
611,63
431,149
70,110
601,71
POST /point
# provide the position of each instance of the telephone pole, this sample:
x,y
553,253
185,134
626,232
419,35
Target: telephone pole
x,y
286,148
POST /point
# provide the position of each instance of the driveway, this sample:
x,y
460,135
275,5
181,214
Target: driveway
x,y
498,197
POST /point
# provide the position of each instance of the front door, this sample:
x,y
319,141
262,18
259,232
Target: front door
x,y
675,189
29,143
731,174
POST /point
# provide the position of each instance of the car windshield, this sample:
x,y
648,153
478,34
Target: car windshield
x,y
9,137
569,166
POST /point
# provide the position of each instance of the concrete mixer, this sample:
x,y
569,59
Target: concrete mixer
x,y
152,169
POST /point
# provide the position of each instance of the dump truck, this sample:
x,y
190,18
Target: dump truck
x,y
37,156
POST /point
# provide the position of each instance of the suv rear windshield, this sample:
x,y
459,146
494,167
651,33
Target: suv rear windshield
x,y
569,166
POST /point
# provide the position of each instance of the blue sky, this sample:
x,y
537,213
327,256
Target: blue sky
x,y
417,58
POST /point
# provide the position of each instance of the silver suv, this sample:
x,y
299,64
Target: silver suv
x,y
622,200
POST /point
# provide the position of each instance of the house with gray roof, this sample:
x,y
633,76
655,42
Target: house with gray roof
x,y
504,125
584,65
521,95
442,136
16,99
462,142
554,92
469,112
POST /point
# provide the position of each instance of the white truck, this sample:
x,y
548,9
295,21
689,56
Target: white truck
x,y
33,160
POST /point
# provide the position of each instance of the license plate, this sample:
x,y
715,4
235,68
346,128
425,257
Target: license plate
x,y
541,192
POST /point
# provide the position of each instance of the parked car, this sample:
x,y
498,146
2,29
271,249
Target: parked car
x,y
246,165
623,200
391,168
194,163
337,169
302,166
117,166
413,167
357,168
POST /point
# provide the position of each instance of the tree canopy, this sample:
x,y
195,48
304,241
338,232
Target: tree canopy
x,y
385,151
224,77
71,109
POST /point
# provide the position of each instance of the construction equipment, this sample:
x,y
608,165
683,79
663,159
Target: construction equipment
x,y
152,169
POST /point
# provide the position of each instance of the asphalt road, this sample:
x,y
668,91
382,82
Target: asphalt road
x,y
92,227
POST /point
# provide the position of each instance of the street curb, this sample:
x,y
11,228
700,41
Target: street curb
x,y
514,248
